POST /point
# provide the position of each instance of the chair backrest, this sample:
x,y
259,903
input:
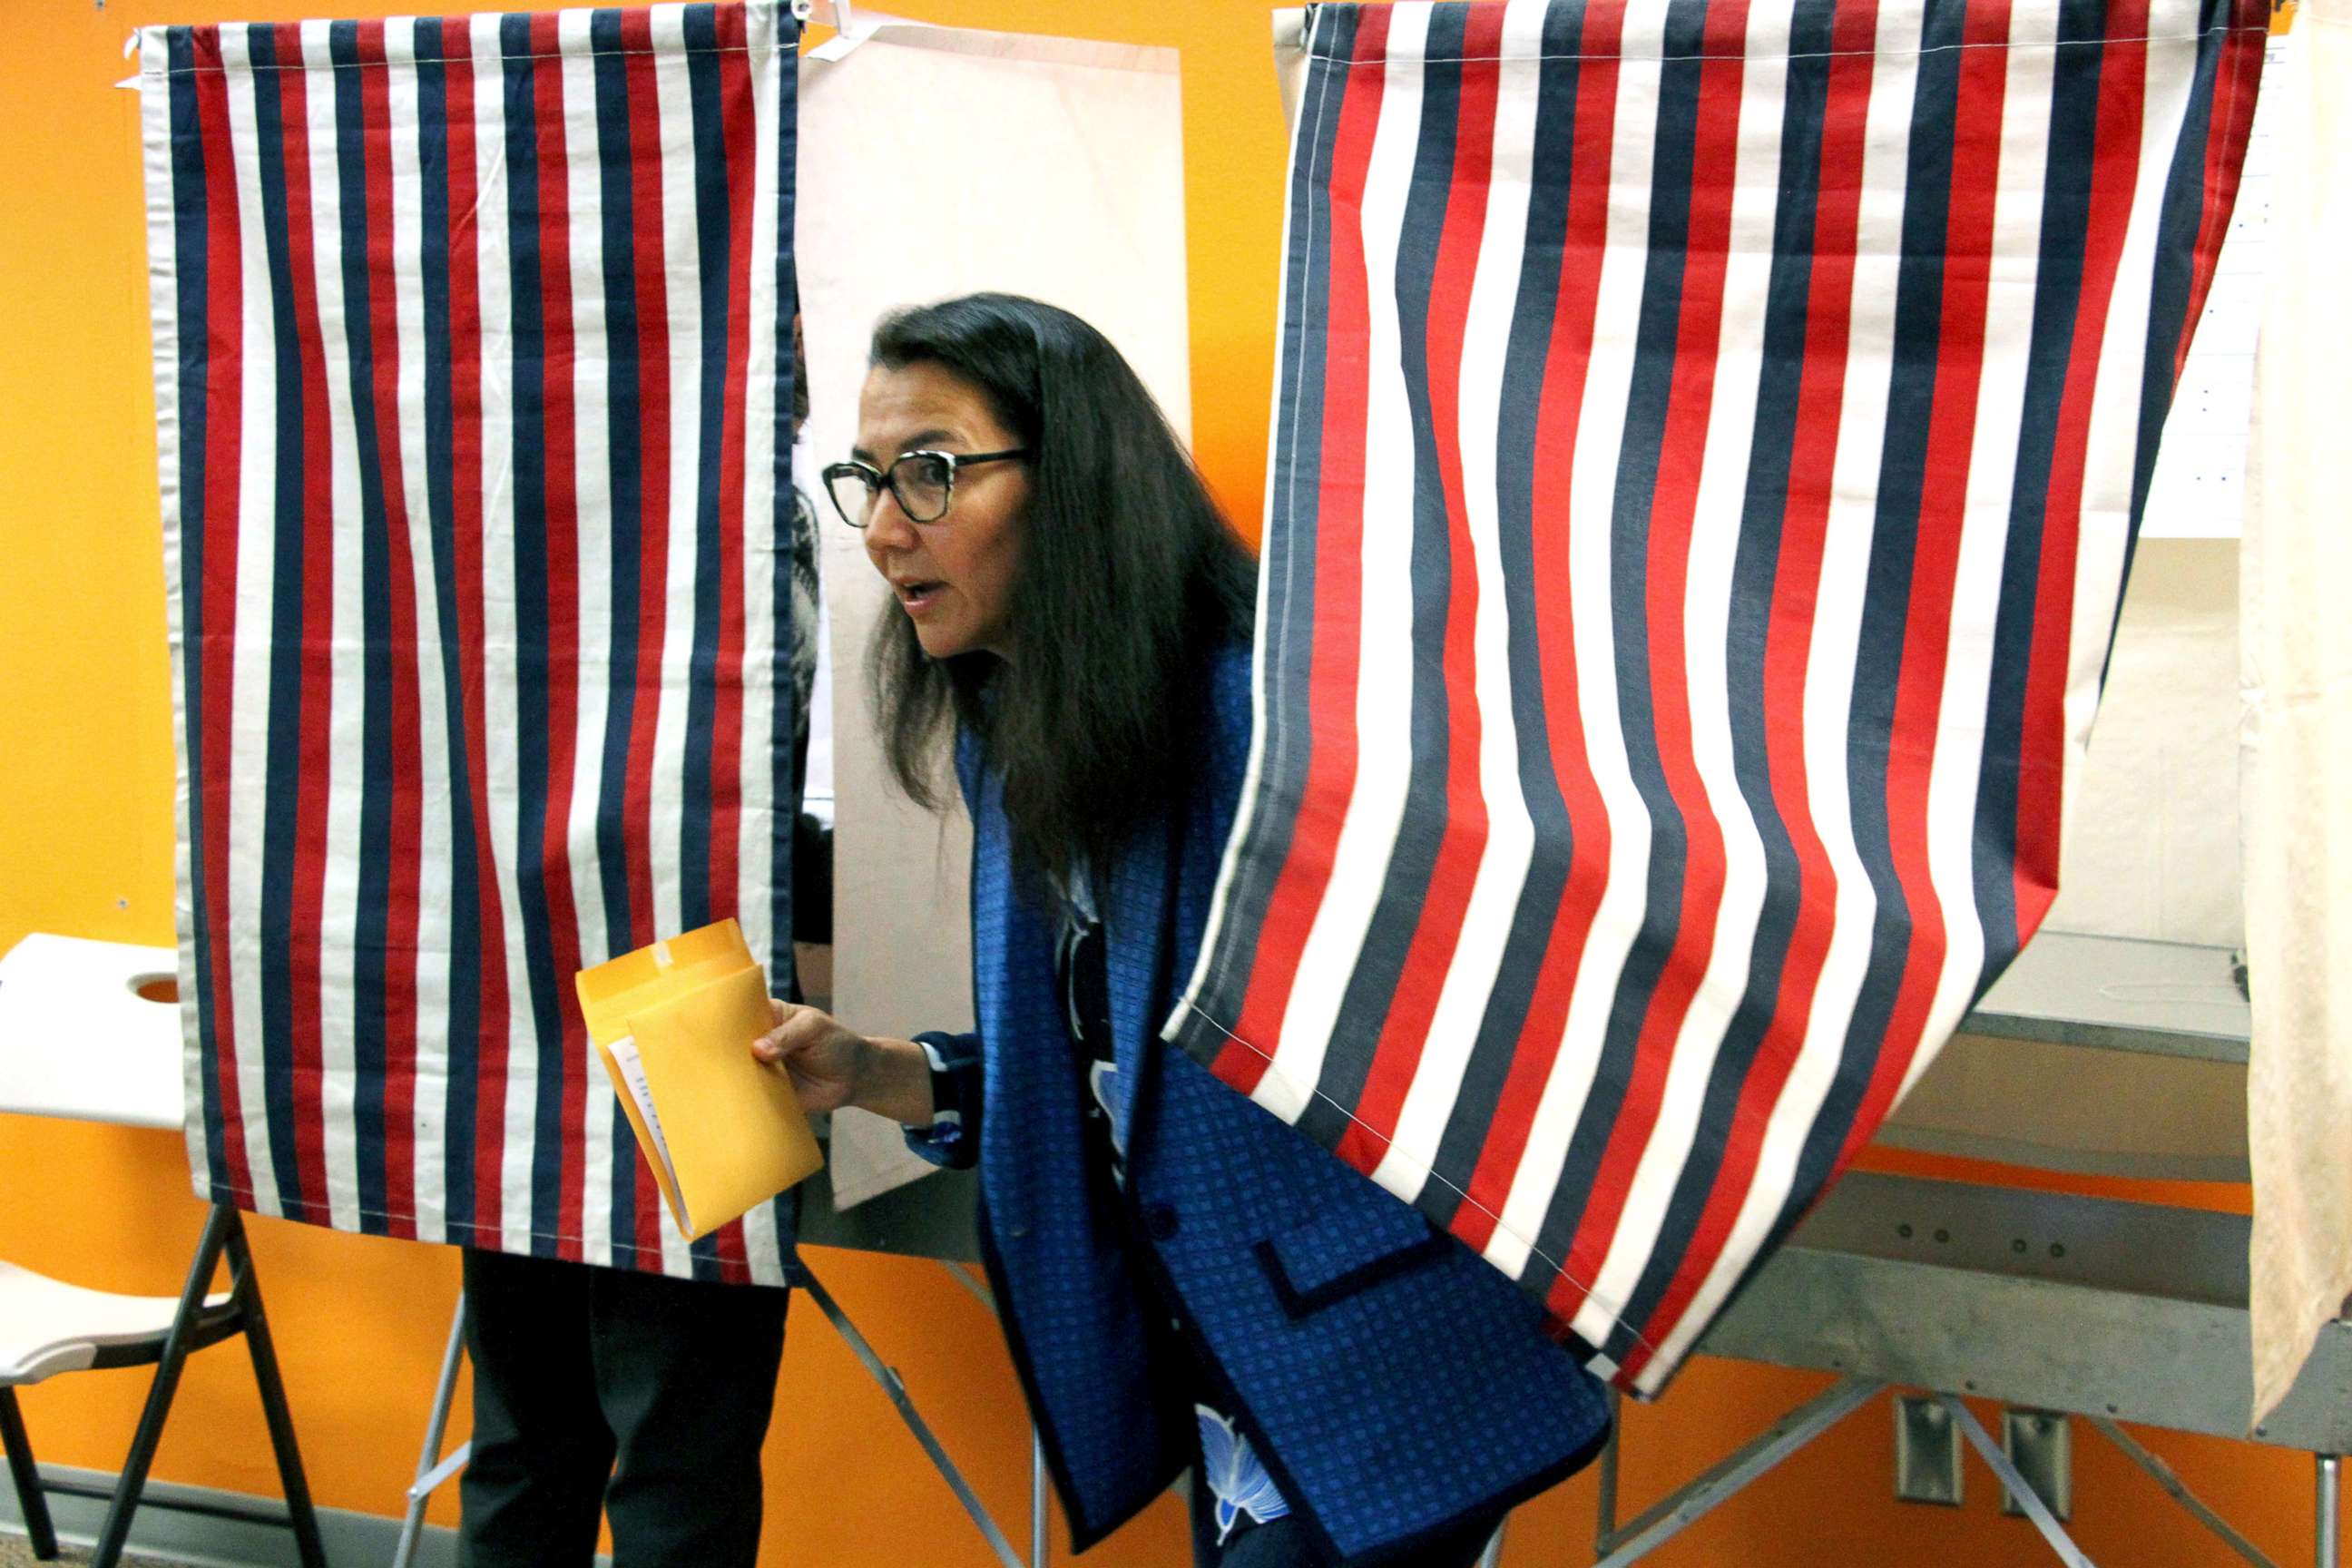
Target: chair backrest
x,y
90,1030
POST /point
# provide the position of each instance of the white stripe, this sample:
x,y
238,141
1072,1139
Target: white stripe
x,y
1953,781
593,490
248,755
683,272
1268,696
2112,450
501,725
681,275
1829,669
1501,872
1593,504
767,627
346,645
1368,834
427,949
1714,542
163,330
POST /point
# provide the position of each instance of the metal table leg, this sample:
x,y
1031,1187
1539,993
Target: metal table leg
x,y
2331,1483
1699,1497
896,1387
1037,1548
432,1469
2027,1498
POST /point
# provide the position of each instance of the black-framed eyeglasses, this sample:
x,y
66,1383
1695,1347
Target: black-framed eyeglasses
x,y
923,483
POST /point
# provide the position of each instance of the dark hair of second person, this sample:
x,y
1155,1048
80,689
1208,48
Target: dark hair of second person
x,y
1129,578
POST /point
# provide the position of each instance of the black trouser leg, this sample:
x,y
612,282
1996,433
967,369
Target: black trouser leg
x,y
27,1476
686,1374
535,1483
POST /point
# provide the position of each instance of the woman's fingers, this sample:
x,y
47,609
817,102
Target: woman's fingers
x,y
791,1031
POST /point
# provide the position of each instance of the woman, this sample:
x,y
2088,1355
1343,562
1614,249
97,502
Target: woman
x,y
1185,1280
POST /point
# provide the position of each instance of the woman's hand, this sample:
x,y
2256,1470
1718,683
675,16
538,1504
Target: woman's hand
x,y
827,1062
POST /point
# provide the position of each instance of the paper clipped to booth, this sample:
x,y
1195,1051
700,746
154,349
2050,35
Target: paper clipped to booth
x,y
673,1023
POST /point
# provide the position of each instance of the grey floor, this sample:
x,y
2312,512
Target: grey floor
x,y
15,1551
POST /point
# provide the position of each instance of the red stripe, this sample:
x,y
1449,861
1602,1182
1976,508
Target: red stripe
x,y
466,566
315,699
1804,524
1396,1056
1558,418
2236,81
1333,661
400,911
646,168
727,721
2041,759
727,718
1683,448
1935,570
224,438
563,550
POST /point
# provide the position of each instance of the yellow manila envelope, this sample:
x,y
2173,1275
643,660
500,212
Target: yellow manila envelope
x,y
673,1023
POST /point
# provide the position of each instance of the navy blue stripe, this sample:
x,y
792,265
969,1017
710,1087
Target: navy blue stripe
x,y
371,935
1887,588
282,766
788,715
625,466
1286,570
1518,484
788,718
464,957
1755,571
193,276
2058,296
712,235
528,338
1364,1006
1656,334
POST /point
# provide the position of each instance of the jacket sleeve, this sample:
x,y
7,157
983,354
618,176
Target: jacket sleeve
x,y
952,1139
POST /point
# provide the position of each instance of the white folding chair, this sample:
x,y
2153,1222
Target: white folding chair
x,y
87,1031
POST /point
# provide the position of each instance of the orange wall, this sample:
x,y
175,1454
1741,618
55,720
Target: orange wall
x,y
85,848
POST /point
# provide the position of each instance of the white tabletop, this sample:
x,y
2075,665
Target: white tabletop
x,y
77,1039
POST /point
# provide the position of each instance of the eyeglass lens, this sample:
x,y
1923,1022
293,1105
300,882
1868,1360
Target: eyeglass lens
x,y
921,480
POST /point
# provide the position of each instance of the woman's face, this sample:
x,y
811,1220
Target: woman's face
x,y
953,578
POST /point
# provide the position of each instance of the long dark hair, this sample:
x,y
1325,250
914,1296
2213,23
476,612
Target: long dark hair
x,y
1130,580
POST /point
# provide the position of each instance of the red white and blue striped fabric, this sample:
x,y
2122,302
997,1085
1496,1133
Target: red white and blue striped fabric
x,y
1709,438
473,360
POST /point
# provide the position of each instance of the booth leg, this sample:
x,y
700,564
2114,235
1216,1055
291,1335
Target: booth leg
x,y
1037,1548
2331,1486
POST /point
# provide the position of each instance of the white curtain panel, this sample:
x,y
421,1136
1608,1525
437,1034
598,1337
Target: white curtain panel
x,y
2295,685
938,162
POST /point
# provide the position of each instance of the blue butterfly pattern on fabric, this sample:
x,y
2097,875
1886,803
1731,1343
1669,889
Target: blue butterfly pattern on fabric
x,y
1235,1476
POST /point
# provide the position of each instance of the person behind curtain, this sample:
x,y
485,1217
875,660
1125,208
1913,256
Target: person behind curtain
x,y
629,1394
1187,1283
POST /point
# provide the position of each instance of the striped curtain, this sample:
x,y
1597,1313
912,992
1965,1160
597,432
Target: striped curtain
x,y
1709,439
474,371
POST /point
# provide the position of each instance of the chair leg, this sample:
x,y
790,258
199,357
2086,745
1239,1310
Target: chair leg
x,y
29,1496
116,1531
257,1342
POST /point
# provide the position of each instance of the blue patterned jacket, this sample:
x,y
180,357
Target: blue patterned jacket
x,y
1392,1381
